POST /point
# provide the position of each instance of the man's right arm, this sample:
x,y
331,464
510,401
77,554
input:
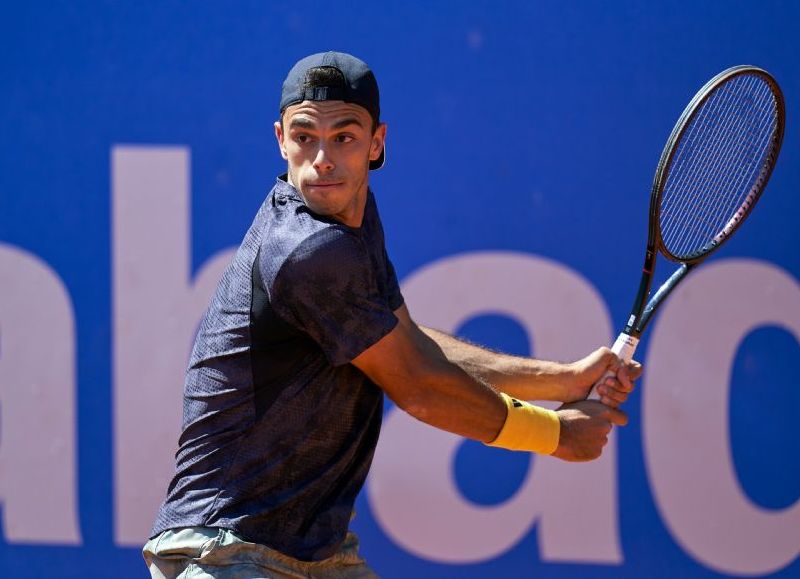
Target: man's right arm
x,y
414,372
412,368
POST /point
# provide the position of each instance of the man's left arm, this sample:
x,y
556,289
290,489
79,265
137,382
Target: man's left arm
x,y
531,379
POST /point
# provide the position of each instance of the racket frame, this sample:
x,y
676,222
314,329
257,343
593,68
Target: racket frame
x,y
643,309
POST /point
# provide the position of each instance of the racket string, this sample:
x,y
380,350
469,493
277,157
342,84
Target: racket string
x,y
740,178
697,130
734,161
759,149
717,188
717,164
687,174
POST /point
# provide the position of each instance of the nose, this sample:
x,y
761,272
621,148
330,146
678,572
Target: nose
x,y
323,162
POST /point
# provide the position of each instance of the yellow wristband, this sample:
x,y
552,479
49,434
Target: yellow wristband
x,y
528,427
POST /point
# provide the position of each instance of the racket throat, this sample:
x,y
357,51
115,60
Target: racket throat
x,y
633,327
660,295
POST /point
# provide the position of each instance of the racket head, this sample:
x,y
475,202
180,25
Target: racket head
x,y
716,163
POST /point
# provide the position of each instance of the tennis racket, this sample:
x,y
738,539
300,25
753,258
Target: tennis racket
x,y
711,173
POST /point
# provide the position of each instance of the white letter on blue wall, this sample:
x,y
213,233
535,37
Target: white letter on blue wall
x,y
411,488
685,416
157,308
37,402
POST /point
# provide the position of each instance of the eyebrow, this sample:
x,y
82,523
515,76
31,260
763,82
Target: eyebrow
x,y
301,123
347,121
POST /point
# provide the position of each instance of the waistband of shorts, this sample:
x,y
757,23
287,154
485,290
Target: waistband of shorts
x,y
212,544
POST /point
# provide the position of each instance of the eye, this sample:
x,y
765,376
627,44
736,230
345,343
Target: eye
x,y
344,138
302,138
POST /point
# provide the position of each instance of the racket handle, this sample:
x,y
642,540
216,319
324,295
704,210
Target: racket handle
x,y
624,347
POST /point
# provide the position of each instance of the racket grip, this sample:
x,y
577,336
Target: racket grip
x,y
624,347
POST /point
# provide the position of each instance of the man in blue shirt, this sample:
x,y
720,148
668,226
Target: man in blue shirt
x,y
307,330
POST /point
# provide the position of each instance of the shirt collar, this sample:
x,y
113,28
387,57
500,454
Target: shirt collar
x,y
283,187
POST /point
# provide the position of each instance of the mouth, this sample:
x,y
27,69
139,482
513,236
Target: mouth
x,y
324,184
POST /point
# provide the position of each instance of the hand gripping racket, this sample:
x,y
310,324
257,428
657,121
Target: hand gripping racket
x,y
711,173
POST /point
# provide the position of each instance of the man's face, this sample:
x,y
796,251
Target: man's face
x,y
328,146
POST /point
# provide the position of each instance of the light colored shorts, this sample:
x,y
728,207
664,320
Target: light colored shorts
x,y
207,553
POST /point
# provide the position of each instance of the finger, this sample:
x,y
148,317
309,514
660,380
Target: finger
x,y
615,388
605,353
612,361
598,363
634,369
610,402
617,417
610,396
623,382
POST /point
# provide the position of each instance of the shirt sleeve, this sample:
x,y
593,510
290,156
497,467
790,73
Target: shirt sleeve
x,y
327,289
395,297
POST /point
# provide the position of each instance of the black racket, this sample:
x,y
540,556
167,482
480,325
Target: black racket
x,y
711,173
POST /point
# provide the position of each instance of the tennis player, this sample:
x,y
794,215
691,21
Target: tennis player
x,y
306,332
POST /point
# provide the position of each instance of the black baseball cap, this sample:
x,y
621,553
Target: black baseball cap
x,y
359,88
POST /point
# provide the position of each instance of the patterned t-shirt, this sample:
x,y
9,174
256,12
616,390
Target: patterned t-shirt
x,y
278,428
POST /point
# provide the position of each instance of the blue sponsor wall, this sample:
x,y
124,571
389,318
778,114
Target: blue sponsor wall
x,y
519,128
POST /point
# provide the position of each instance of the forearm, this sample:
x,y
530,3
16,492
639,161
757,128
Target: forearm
x,y
523,378
414,371
453,400
420,380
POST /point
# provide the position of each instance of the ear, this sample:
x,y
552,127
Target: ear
x,y
378,140
279,136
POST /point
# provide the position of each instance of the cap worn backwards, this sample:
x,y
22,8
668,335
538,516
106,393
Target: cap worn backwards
x,y
359,86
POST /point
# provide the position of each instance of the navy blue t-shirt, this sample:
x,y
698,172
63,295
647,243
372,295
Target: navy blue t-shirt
x,y
278,428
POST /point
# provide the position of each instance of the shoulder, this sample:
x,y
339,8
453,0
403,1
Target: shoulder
x,y
329,252
294,240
